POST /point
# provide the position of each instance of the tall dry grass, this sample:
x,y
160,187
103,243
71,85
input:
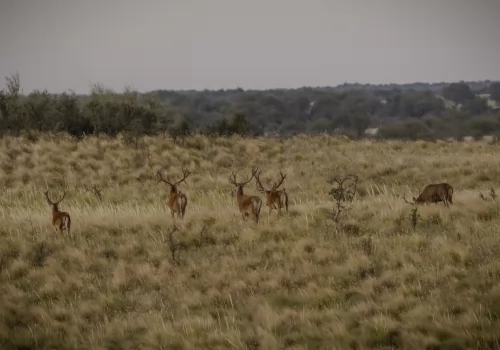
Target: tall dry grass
x,y
297,281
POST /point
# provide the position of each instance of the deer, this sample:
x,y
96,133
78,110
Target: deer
x,y
61,220
177,201
434,193
247,204
275,199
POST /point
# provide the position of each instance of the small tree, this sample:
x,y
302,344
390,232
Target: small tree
x,y
342,194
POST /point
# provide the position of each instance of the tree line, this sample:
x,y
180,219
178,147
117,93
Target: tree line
x,y
418,111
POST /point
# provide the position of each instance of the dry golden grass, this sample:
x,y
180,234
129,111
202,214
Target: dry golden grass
x,y
297,282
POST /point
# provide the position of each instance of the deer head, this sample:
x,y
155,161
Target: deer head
x,y
54,205
274,187
173,185
239,185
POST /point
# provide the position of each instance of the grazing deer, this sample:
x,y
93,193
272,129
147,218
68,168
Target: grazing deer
x,y
177,200
60,219
275,199
248,205
434,193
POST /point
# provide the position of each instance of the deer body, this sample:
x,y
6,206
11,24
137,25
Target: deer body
x,y
434,193
275,199
177,201
61,220
248,205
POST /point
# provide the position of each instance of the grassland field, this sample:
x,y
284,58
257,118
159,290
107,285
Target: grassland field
x,y
298,281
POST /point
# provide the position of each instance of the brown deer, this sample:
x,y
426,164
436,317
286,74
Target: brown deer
x,y
434,193
177,201
248,205
60,219
275,199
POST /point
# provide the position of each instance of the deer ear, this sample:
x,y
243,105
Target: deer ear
x,y
414,199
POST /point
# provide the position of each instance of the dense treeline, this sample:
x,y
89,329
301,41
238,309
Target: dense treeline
x,y
419,111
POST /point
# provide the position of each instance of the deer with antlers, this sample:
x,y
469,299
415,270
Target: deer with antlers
x,y
248,205
60,219
275,199
177,201
434,193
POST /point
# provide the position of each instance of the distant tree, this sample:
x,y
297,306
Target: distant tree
x,y
11,105
475,106
407,130
220,127
482,126
40,111
458,92
180,129
406,111
240,125
360,122
495,92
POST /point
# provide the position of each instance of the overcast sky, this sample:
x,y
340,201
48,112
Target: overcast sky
x,y
213,44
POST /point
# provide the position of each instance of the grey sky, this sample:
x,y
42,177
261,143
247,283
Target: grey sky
x,y
196,44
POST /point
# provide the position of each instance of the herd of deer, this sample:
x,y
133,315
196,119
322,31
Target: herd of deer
x,y
248,205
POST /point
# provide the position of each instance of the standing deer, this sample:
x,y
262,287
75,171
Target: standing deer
x,y
177,200
60,219
275,199
434,193
248,205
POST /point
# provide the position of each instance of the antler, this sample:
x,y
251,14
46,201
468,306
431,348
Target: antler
x,y
159,173
48,199
260,188
185,174
278,184
232,177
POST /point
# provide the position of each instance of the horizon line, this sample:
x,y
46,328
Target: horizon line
x,y
300,87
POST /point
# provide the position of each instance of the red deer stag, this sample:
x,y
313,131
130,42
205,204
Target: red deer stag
x,y
60,219
275,199
177,200
434,193
248,205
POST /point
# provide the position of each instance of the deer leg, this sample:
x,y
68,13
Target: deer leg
x,y
256,218
272,207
